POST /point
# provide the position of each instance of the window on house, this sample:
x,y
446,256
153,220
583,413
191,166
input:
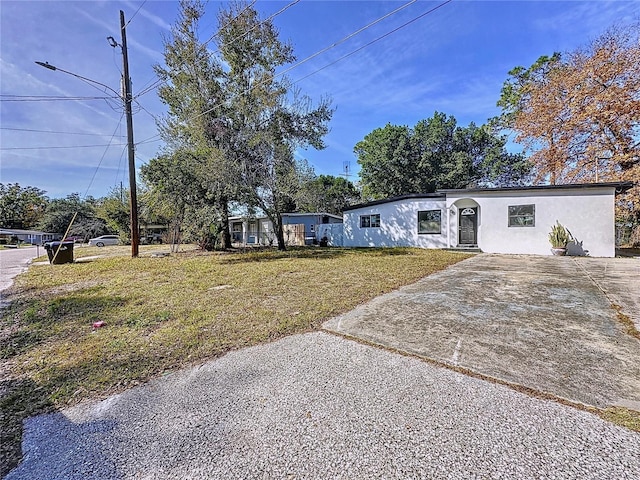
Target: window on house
x,y
370,221
522,215
429,221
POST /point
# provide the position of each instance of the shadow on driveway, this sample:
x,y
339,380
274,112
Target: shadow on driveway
x,y
540,322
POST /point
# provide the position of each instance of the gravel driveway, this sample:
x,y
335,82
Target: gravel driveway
x,y
320,406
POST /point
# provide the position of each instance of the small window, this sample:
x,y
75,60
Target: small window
x,y
370,221
430,221
522,215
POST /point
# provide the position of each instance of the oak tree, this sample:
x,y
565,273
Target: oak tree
x,y
578,113
436,153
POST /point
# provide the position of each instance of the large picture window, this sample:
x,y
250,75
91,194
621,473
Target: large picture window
x,y
522,215
370,221
430,221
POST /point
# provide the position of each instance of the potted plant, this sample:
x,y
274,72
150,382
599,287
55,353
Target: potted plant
x,y
559,237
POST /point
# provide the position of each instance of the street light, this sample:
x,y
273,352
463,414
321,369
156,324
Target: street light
x,y
126,98
85,79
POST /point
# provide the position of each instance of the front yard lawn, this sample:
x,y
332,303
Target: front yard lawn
x,y
163,313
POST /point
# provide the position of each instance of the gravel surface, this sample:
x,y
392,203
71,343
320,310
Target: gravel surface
x,y
320,406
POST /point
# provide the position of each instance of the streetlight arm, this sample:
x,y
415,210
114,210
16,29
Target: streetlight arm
x,y
54,68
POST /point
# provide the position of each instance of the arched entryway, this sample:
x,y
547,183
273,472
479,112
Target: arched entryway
x,y
467,215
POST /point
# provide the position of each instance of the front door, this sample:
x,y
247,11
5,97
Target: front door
x,y
468,226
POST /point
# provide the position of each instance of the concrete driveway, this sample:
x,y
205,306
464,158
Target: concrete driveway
x,y
546,323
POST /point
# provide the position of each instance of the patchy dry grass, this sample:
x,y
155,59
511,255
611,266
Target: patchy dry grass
x,y
163,313
622,416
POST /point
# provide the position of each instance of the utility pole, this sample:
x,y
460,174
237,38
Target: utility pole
x,y
127,98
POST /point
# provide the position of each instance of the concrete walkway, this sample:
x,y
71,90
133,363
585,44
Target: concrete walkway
x,y
539,322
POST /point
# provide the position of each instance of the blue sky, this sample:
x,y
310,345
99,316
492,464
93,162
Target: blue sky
x,y
453,60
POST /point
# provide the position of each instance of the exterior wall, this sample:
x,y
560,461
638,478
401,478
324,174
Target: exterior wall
x,y
587,213
398,225
310,221
333,232
33,237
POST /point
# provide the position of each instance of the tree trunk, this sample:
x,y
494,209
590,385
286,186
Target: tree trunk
x,y
225,241
280,234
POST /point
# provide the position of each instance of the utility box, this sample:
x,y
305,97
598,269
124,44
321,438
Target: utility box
x,y
64,252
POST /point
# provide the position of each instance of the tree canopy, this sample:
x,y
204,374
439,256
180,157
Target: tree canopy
x,y
579,113
232,121
326,193
436,153
60,211
21,207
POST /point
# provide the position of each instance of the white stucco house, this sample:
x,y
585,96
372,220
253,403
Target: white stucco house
x,y
299,228
494,220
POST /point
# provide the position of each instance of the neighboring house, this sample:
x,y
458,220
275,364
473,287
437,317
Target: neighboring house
x,y
299,228
33,237
494,220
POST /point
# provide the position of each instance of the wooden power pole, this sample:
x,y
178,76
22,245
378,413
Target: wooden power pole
x,y
127,99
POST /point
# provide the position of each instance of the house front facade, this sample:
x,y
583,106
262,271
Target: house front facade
x,y
299,228
494,220
33,237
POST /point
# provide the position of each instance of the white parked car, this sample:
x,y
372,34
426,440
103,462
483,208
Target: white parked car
x,y
104,240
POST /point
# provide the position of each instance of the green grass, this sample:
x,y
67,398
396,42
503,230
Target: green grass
x,y
164,313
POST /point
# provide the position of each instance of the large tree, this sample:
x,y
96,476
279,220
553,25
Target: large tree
x,y
579,113
436,153
197,104
235,116
267,119
74,214
21,207
182,192
326,193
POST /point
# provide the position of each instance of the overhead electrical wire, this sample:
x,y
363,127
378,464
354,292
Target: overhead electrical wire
x,y
95,172
157,136
136,12
54,131
58,147
375,40
47,98
249,5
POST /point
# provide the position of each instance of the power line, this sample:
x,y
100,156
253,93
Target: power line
x,y
53,131
46,98
145,110
249,5
344,39
132,16
95,172
375,40
58,147
328,48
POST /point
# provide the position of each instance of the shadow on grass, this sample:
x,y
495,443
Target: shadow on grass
x,y
19,399
251,256
317,253
41,320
